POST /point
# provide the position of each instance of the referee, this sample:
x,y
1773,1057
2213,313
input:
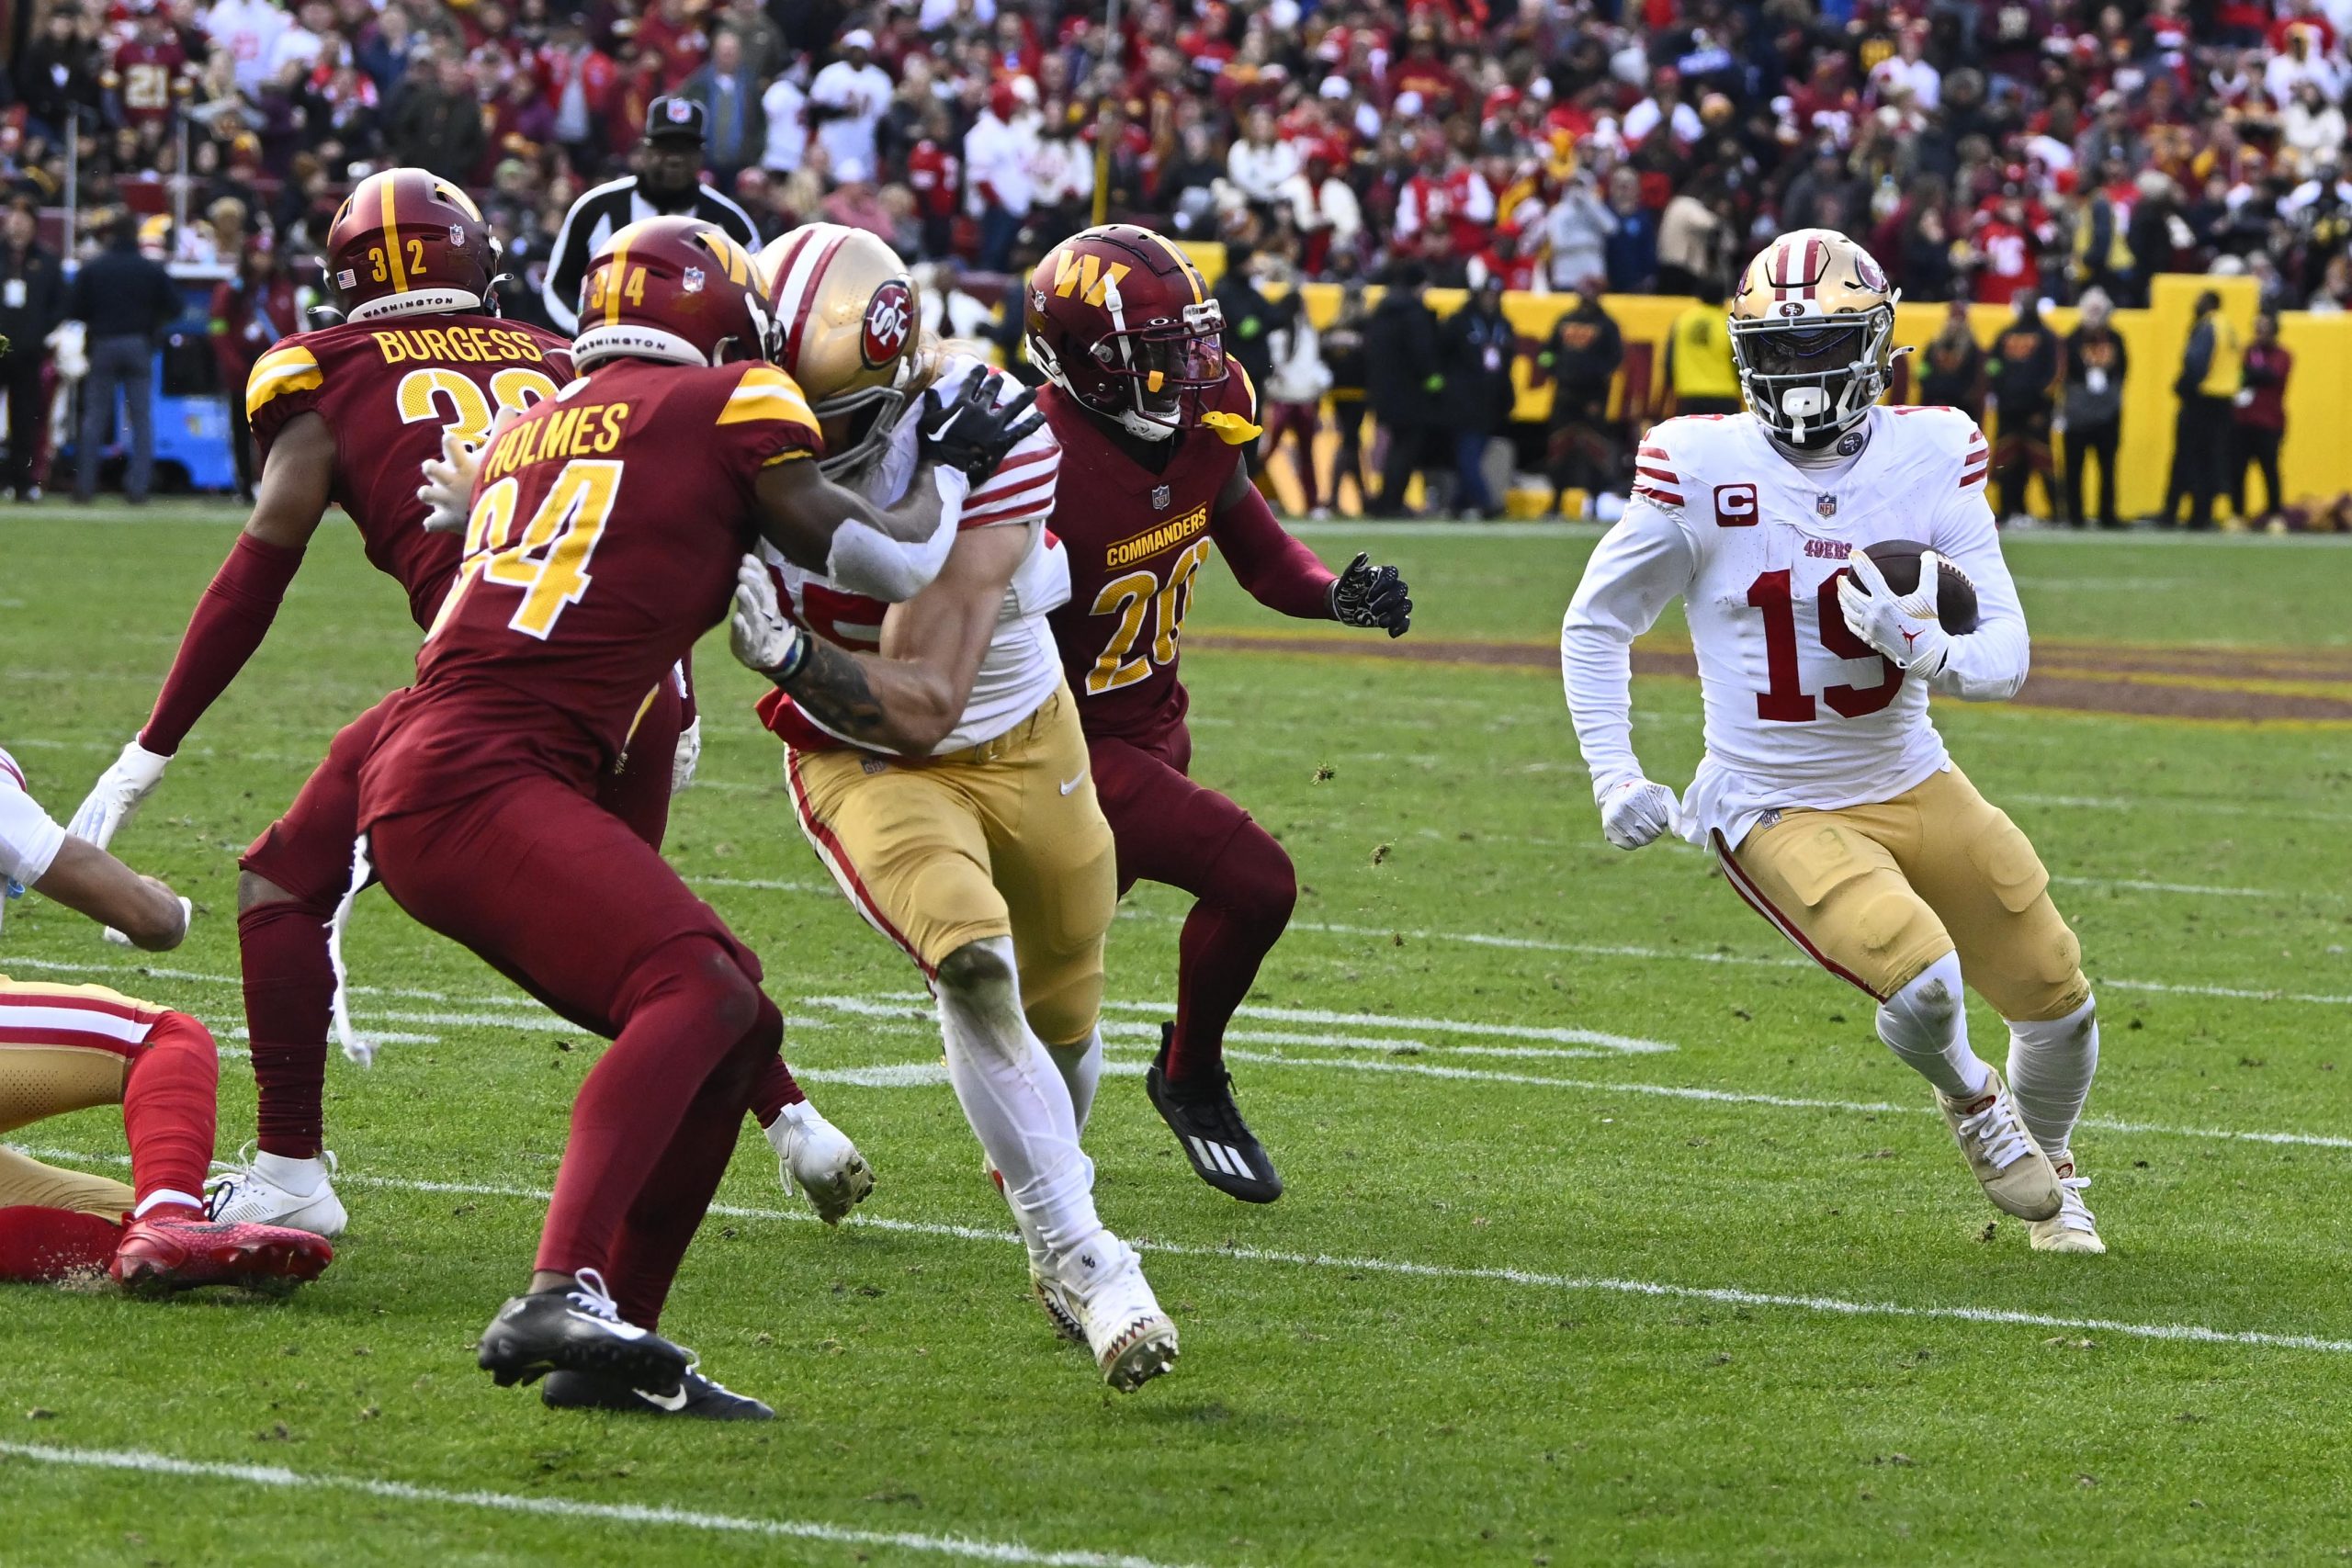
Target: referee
x,y
668,183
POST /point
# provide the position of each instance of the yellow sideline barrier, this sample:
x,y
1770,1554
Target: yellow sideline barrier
x,y
2315,464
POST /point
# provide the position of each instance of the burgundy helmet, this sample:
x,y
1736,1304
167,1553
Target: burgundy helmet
x,y
1120,320
677,290
407,241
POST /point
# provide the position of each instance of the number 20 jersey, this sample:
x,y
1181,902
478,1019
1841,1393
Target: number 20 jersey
x,y
1136,540
388,389
1800,712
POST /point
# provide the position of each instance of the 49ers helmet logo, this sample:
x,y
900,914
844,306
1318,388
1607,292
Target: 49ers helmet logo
x,y
889,317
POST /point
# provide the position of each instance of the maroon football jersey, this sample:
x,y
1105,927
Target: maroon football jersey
x,y
388,389
607,528
145,75
1136,540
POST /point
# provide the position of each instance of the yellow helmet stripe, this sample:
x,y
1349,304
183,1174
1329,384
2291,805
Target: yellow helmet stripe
x,y
393,235
616,270
1183,262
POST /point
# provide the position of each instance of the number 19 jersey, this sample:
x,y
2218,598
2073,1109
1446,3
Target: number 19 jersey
x,y
389,389
1800,712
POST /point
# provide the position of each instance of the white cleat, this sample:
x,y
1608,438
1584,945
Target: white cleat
x,y
1101,1283
2072,1228
270,1190
816,1160
2007,1162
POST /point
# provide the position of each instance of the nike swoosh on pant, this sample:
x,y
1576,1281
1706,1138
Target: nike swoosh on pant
x,y
1073,784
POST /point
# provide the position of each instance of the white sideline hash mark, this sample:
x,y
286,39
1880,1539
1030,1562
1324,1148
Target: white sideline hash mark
x,y
568,1508
1729,1295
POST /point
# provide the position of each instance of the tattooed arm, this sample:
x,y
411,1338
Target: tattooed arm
x,y
908,697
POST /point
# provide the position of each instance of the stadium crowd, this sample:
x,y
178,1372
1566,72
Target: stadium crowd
x,y
1989,151
1983,148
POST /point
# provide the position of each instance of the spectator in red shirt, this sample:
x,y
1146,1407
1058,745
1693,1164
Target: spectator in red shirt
x,y
250,311
2261,417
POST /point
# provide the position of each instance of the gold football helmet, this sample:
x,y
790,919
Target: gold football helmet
x,y
1813,336
850,324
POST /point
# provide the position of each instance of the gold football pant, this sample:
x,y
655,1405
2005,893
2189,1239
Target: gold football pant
x,y
1004,838
50,1063
1875,894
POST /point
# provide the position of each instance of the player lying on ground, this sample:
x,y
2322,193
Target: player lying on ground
x,y
345,414
1825,793
935,761
605,535
70,1047
1155,422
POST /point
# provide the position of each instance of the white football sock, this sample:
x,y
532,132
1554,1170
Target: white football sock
x,y
1015,1099
300,1177
1925,1024
1081,1069
166,1196
2050,1066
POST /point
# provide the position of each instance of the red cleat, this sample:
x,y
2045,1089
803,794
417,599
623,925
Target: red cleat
x,y
159,1255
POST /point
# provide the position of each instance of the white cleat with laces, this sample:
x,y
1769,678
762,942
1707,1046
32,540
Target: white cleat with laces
x,y
2072,1228
270,1190
816,1160
2007,1162
1100,1284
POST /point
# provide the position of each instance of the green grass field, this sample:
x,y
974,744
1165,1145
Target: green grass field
x,y
1613,1233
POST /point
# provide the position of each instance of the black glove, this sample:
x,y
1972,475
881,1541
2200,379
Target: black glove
x,y
972,432
1368,595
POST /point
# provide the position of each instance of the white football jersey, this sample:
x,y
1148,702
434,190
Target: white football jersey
x,y
28,839
1799,710
1021,668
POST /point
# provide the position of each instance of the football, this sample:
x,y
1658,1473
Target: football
x,y
1898,559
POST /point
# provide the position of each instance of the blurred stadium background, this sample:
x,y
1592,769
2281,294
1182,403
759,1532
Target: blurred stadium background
x,y
1991,153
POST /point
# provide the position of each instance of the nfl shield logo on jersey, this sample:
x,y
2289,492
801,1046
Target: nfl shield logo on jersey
x,y
1159,498
1825,505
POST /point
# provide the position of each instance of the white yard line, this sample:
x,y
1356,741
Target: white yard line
x,y
1726,1294
637,1515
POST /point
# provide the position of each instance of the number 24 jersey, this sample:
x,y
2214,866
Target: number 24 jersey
x,y
1800,712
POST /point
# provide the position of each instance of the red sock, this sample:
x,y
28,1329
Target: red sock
x,y
168,1106
682,1013
776,1087
38,1246
289,997
1246,899
677,1192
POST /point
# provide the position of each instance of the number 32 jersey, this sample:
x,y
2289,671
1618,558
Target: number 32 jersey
x,y
388,389
1800,712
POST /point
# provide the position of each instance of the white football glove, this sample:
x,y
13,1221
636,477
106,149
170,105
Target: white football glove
x,y
763,636
1903,629
448,488
689,753
115,798
1636,812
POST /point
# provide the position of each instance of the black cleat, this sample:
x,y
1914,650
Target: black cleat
x,y
577,1330
1209,1128
698,1398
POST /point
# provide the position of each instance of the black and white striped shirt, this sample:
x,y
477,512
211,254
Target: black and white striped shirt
x,y
615,204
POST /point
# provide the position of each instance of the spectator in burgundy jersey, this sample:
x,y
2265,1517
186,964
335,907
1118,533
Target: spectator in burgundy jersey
x,y
2261,417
